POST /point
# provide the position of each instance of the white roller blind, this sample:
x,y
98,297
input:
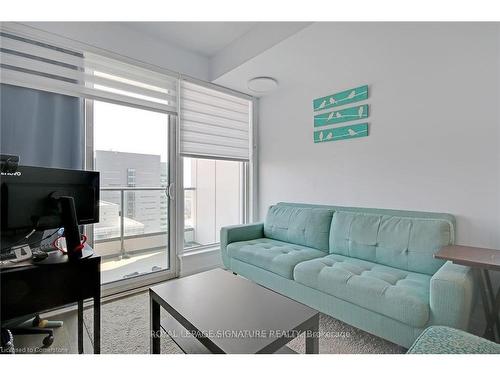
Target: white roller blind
x,y
33,64
213,123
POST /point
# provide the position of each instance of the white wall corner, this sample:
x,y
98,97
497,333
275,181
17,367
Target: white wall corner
x,y
259,39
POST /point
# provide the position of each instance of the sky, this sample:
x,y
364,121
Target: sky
x,y
127,129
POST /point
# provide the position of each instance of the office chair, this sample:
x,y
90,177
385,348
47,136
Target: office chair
x,y
29,325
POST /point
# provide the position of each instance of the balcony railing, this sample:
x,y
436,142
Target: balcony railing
x,y
151,239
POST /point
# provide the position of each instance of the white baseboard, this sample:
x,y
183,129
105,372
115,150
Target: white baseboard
x,y
199,261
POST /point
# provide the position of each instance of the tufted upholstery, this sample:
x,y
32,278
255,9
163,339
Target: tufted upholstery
x,y
369,267
298,225
395,293
407,243
446,340
274,256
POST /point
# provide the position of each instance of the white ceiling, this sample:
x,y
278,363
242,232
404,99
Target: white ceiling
x,y
205,38
347,53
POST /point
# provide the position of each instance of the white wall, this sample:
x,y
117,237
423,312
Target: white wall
x,y
262,36
125,41
434,126
434,142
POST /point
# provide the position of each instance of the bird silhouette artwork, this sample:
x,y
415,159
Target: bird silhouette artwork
x,y
345,132
341,98
341,115
328,137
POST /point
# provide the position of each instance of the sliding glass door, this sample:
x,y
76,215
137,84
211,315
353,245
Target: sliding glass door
x,y
131,150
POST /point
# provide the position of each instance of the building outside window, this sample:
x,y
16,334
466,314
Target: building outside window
x,y
213,198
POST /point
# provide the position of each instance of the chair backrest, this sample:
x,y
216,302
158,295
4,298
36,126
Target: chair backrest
x,y
402,239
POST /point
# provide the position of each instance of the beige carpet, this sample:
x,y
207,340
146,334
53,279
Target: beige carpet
x,y
125,326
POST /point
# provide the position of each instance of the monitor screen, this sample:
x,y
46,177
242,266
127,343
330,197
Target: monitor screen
x,y
26,201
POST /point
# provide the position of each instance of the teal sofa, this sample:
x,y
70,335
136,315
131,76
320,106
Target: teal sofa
x,y
371,268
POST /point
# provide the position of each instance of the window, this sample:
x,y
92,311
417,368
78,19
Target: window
x,y
214,196
131,111
215,143
131,154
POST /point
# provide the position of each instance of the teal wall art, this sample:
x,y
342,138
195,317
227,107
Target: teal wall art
x,y
341,98
341,115
344,132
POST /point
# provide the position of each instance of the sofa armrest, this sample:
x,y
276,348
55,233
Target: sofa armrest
x,y
451,293
235,233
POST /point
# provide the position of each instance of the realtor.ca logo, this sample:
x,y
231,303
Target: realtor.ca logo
x,y
17,174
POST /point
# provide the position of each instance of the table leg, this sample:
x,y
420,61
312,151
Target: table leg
x,y
493,302
80,327
497,312
312,337
489,304
154,326
97,324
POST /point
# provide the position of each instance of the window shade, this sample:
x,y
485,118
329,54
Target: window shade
x,y
37,65
213,123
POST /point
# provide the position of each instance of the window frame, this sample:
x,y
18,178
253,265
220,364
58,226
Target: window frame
x,y
250,175
120,286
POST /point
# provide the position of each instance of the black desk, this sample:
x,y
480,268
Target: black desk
x,y
37,288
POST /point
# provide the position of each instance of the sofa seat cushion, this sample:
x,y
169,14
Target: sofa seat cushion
x,y
392,292
274,256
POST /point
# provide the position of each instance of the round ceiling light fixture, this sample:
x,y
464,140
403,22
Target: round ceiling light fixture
x,y
262,85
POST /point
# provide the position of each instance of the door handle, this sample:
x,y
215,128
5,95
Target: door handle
x,y
171,191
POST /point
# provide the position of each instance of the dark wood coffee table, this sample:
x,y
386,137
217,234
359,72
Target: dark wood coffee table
x,y
482,261
226,313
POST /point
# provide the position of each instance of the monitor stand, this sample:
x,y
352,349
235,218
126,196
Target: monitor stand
x,y
74,248
71,232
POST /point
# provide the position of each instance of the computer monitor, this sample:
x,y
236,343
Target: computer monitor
x,y
44,198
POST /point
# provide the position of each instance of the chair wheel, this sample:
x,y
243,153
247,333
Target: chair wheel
x,y
48,341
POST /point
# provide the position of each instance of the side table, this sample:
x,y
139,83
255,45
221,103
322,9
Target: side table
x,y
482,261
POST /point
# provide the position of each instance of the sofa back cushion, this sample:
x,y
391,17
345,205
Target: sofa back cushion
x,y
299,225
404,242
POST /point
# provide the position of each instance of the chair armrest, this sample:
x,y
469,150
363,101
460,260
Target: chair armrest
x,y
451,292
235,233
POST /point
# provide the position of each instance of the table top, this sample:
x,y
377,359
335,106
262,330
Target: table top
x,y
54,260
471,256
238,315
